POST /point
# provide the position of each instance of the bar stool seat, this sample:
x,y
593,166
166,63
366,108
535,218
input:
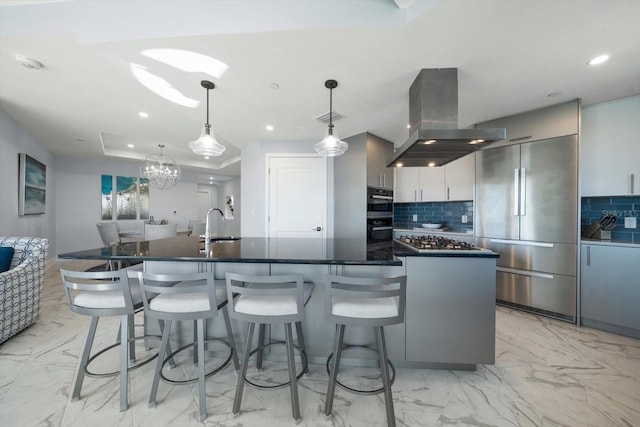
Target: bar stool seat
x,y
265,300
180,297
99,294
359,301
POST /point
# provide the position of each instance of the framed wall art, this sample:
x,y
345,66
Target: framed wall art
x,y
32,186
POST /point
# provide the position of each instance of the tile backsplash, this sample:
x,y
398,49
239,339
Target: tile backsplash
x,y
447,213
594,208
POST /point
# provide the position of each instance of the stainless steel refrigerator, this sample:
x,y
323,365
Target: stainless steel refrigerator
x,y
526,210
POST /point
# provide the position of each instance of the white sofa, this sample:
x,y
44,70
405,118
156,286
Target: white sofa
x,y
21,286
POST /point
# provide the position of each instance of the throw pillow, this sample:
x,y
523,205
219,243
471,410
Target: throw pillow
x,y
6,253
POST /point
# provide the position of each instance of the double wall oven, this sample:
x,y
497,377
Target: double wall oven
x,y
379,221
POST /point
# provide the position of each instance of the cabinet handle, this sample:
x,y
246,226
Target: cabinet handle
x,y
415,195
523,191
421,196
632,183
516,188
448,194
588,255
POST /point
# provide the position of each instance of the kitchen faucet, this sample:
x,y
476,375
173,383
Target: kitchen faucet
x,y
207,228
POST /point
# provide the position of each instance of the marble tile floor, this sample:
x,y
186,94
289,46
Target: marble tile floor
x,y
547,373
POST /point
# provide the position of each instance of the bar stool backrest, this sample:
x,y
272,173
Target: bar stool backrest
x,y
182,295
384,300
98,293
276,299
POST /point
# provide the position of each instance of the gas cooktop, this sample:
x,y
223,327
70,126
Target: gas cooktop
x,y
435,243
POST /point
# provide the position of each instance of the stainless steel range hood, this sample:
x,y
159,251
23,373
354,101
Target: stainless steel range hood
x,y
433,111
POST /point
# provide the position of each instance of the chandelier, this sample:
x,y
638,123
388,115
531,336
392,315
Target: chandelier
x,y
331,145
207,144
160,170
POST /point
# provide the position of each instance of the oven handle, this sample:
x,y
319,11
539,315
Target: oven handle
x,y
376,196
390,227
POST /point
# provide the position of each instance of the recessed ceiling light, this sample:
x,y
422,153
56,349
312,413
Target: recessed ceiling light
x,y
190,62
431,164
211,177
476,141
429,142
130,145
598,60
29,62
269,128
408,126
207,157
161,87
143,114
399,165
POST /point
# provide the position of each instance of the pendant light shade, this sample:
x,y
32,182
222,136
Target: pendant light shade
x,y
206,144
331,146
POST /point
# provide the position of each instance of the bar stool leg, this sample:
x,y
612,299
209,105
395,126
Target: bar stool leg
x,y
85,358
260,354
243,370
337,353
124,363
131,341
172,363
386,382
230,337
201,378
161,355
301,343
293,382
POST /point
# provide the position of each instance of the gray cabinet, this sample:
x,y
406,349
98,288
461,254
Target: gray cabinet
x,y
378,151
610,148
549,122
610,288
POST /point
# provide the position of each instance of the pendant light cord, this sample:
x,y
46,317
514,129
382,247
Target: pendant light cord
x,y
330,111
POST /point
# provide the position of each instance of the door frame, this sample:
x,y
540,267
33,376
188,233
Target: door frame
x,y
267,197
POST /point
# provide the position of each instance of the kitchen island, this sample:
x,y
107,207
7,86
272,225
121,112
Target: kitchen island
x,y
450,313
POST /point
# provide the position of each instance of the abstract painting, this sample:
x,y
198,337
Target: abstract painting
x,y
107,197
33,186
143,208
126,197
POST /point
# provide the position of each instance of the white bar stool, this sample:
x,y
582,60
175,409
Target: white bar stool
x,y
360,301
194,296
270,300
106,293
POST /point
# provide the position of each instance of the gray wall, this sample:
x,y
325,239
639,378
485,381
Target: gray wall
x,y
14,139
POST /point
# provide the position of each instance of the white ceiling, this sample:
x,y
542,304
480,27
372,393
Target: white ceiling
x,y
510,56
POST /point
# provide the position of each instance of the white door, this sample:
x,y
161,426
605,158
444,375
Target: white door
x,y
203,204
297,201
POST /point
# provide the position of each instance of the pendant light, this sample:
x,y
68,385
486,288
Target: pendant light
x,y
160,170
207,145
331,145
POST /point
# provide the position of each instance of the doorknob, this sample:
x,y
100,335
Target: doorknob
x,y
317,229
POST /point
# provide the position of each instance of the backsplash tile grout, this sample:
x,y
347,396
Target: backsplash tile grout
x,y
447,213
594,208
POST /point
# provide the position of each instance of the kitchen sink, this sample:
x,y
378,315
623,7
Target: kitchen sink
x,y
224,239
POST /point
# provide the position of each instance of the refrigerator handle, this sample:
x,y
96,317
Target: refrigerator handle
x,y
516,188
523,191
632,183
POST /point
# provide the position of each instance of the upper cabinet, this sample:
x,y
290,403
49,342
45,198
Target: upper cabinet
x,y
378,151
610,148
454,181
549,122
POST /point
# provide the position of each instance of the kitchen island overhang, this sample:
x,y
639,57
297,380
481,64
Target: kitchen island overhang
x,y
450,316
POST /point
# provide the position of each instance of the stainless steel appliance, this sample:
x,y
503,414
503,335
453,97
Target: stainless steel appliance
x,y
435,138
526,210
379,220
428,243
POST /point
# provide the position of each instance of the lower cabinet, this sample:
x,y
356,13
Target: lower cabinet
x,y
610,288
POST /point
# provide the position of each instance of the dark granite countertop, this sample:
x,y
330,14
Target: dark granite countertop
x,y
246,250
262,250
